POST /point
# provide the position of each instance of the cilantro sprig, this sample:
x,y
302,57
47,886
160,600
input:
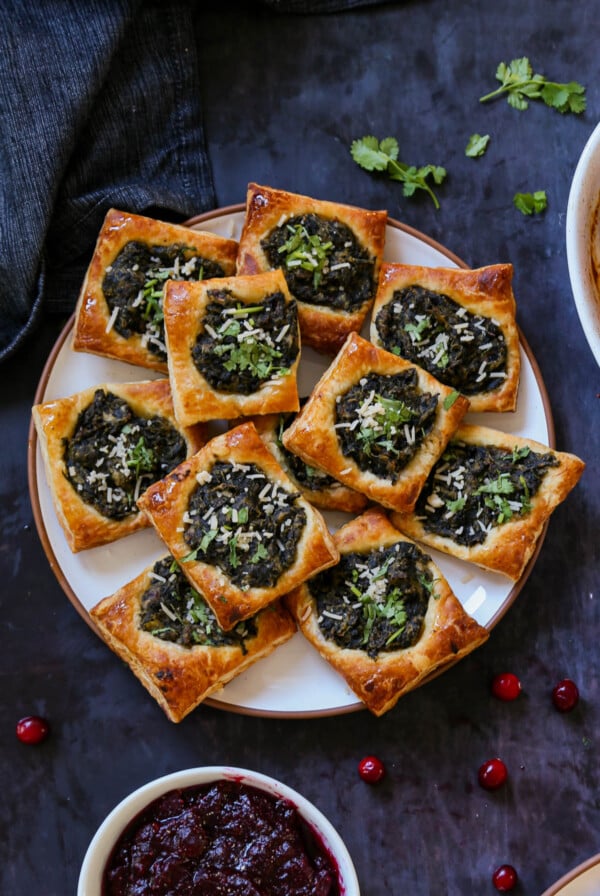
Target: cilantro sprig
x,y
374,155
520,85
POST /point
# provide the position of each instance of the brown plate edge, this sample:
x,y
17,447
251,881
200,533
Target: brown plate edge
x,y
572,875
212,701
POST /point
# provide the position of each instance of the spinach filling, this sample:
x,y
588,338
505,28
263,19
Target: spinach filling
x,y
309,477
474,488
241,347
461,349
323,262
244,523
133,287
374,601
114,455
381,421
174,611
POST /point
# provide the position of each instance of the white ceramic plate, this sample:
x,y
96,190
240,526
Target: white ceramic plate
x,y
583,240
581,881
294,680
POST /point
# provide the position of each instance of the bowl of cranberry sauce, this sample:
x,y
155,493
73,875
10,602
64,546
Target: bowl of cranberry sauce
x,y
217,831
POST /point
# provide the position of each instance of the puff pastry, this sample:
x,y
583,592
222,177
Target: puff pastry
x,y
458,324
241,532
321,489
98,455
330,254
161,627
489,496
119,311
376,423
385,617
233,347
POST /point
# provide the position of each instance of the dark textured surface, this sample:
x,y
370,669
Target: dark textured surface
x,y
283,97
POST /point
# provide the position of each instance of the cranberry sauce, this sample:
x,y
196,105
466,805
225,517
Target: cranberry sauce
x,y
219,839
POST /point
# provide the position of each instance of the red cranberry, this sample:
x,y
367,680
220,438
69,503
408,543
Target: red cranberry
x,y
492,774
32,729
506,686
371,769
565,695
505,878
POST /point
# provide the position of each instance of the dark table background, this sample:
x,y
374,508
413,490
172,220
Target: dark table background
x,y
284,97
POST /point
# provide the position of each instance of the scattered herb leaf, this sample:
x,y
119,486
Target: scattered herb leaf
x,y
450,399
477,145
531,203
374,155
520,85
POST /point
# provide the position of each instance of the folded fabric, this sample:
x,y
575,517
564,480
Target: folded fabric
x,y
100,106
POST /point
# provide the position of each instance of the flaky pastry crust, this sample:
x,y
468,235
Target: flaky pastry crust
x,y
448,633
83,525
485,291
166,503
194,398
507,547
323,328
313,437
179,678
92,331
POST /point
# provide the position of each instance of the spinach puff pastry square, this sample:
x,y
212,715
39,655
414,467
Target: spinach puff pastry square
x,y
330,255
457,324
119,309
101,448
376,423
233,347
384,617
489,497
242,534
168,635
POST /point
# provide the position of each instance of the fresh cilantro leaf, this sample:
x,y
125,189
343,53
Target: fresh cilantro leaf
x,y
477,145
519,83
450,399
500,486
373,155
531,203
140,458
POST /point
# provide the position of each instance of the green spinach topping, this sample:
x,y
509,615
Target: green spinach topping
x,y
474,488
133,287
241,347
463,350
323,262
114,455
244,523
375,601
174,611
382,420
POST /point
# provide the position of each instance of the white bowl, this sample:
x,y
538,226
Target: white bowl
x,y
583,206
99,850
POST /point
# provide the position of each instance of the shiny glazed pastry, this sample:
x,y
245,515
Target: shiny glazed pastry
x,y
489,496
458,324
233,347
376,423
168,635
384,616
330,254
101,448
240,531
119,309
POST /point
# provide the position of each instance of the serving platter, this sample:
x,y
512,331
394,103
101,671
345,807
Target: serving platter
x,y
294,681
584,880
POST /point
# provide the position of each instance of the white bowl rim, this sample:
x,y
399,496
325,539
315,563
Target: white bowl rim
x,y
115,822
584,196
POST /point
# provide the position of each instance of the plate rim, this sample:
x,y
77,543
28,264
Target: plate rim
x,y
214,702
572,875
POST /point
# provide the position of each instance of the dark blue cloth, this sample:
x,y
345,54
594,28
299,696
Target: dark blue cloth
x,y
100,106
